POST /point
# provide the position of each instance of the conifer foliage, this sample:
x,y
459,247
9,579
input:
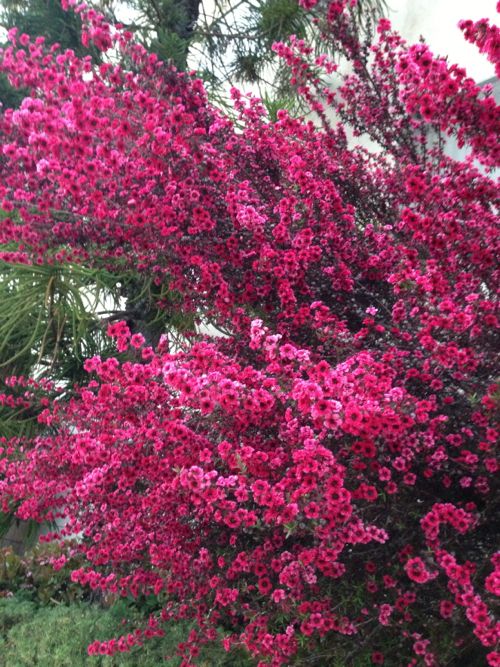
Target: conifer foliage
x,y
319,483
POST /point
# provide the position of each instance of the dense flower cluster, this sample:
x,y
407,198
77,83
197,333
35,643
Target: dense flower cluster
x,y
486,37
327,470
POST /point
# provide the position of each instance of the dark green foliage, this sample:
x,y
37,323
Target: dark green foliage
x,y
10,97
44,18
32,577
48,318
166,27
50,322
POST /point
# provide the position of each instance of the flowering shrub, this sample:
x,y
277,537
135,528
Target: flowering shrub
x,y
322,480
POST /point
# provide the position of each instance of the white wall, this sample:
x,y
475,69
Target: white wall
x,y
436,21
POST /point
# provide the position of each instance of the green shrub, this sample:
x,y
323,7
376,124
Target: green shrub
x,y
58,636
13,611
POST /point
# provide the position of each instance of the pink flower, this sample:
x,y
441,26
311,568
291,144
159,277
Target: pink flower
x,y
416,571
137,340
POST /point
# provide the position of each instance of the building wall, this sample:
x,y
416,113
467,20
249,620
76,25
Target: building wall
x,y
436,21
